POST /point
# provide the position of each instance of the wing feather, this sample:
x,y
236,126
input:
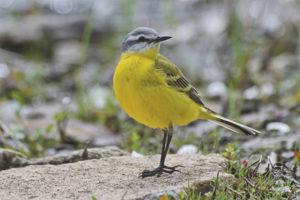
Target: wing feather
x,y
175,78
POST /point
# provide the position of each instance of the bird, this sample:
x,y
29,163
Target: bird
x,y
153,91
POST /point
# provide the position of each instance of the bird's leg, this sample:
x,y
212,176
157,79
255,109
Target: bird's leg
x,y
162,162
168,133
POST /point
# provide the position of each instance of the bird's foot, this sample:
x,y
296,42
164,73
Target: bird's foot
x,y
158,171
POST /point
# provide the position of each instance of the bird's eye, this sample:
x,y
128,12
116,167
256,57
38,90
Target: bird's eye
x,y
142,39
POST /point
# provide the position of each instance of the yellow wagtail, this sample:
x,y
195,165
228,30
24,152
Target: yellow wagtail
x,y
153,91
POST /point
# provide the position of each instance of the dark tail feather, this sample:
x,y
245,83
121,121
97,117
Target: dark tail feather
x,y
234,126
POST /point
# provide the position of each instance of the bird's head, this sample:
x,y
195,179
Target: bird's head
x,y
142,39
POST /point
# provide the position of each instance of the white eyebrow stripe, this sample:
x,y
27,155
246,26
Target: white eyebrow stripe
x,y
132,38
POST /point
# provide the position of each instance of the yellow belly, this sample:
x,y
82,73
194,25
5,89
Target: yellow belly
x,y
144,95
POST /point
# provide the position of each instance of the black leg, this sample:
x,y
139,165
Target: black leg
x,y
168,133
162,156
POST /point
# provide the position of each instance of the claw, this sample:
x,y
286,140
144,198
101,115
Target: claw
x,y
173,167
158,171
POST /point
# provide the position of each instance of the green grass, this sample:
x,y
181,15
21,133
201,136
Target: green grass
x,y
83,101
32,143
145,140
248,184
128,12
242,50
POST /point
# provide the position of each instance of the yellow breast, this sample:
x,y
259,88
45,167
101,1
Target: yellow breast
x,y
143,93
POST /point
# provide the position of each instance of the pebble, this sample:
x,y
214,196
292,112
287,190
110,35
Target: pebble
x,y
187,149
4,70
213,21
279,182
98,96
284,189
9,108
278,126
262,168
288,154
136,154
251,93
216,89
267,89
273,157
66,100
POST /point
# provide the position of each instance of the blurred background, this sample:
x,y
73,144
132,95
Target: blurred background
x,y
57,59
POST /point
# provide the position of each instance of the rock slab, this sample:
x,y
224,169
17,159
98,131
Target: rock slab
x,y
112,178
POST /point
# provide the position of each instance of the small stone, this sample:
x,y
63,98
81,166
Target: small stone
x,y
113,147
201,128
67,53
63,7
284,189
288,154
262,168
281,63
66,100
84,132
267,89
216,89
50,152
279,182
251,93
278,126
187,149
77,130
98,96
213,21
4,70
10,109
273,157
265,143
136,154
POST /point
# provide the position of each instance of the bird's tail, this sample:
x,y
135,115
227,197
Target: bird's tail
x,y
232,125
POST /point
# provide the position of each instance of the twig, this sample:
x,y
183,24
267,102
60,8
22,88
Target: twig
x,y
295,171
251,184
267,172
216,186
2,140
257,166
234,191
85,151
258,161
61,127
270,162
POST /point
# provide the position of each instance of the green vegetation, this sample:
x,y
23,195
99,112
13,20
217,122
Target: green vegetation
x,y
38,86
249,184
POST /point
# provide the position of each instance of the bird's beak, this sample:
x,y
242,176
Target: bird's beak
x,y
161,38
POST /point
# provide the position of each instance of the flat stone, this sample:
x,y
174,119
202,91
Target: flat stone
x,y
112,178
11,159
268,143
78,155
39,117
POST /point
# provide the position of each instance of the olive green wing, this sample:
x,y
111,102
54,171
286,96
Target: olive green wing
x,y
175,78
